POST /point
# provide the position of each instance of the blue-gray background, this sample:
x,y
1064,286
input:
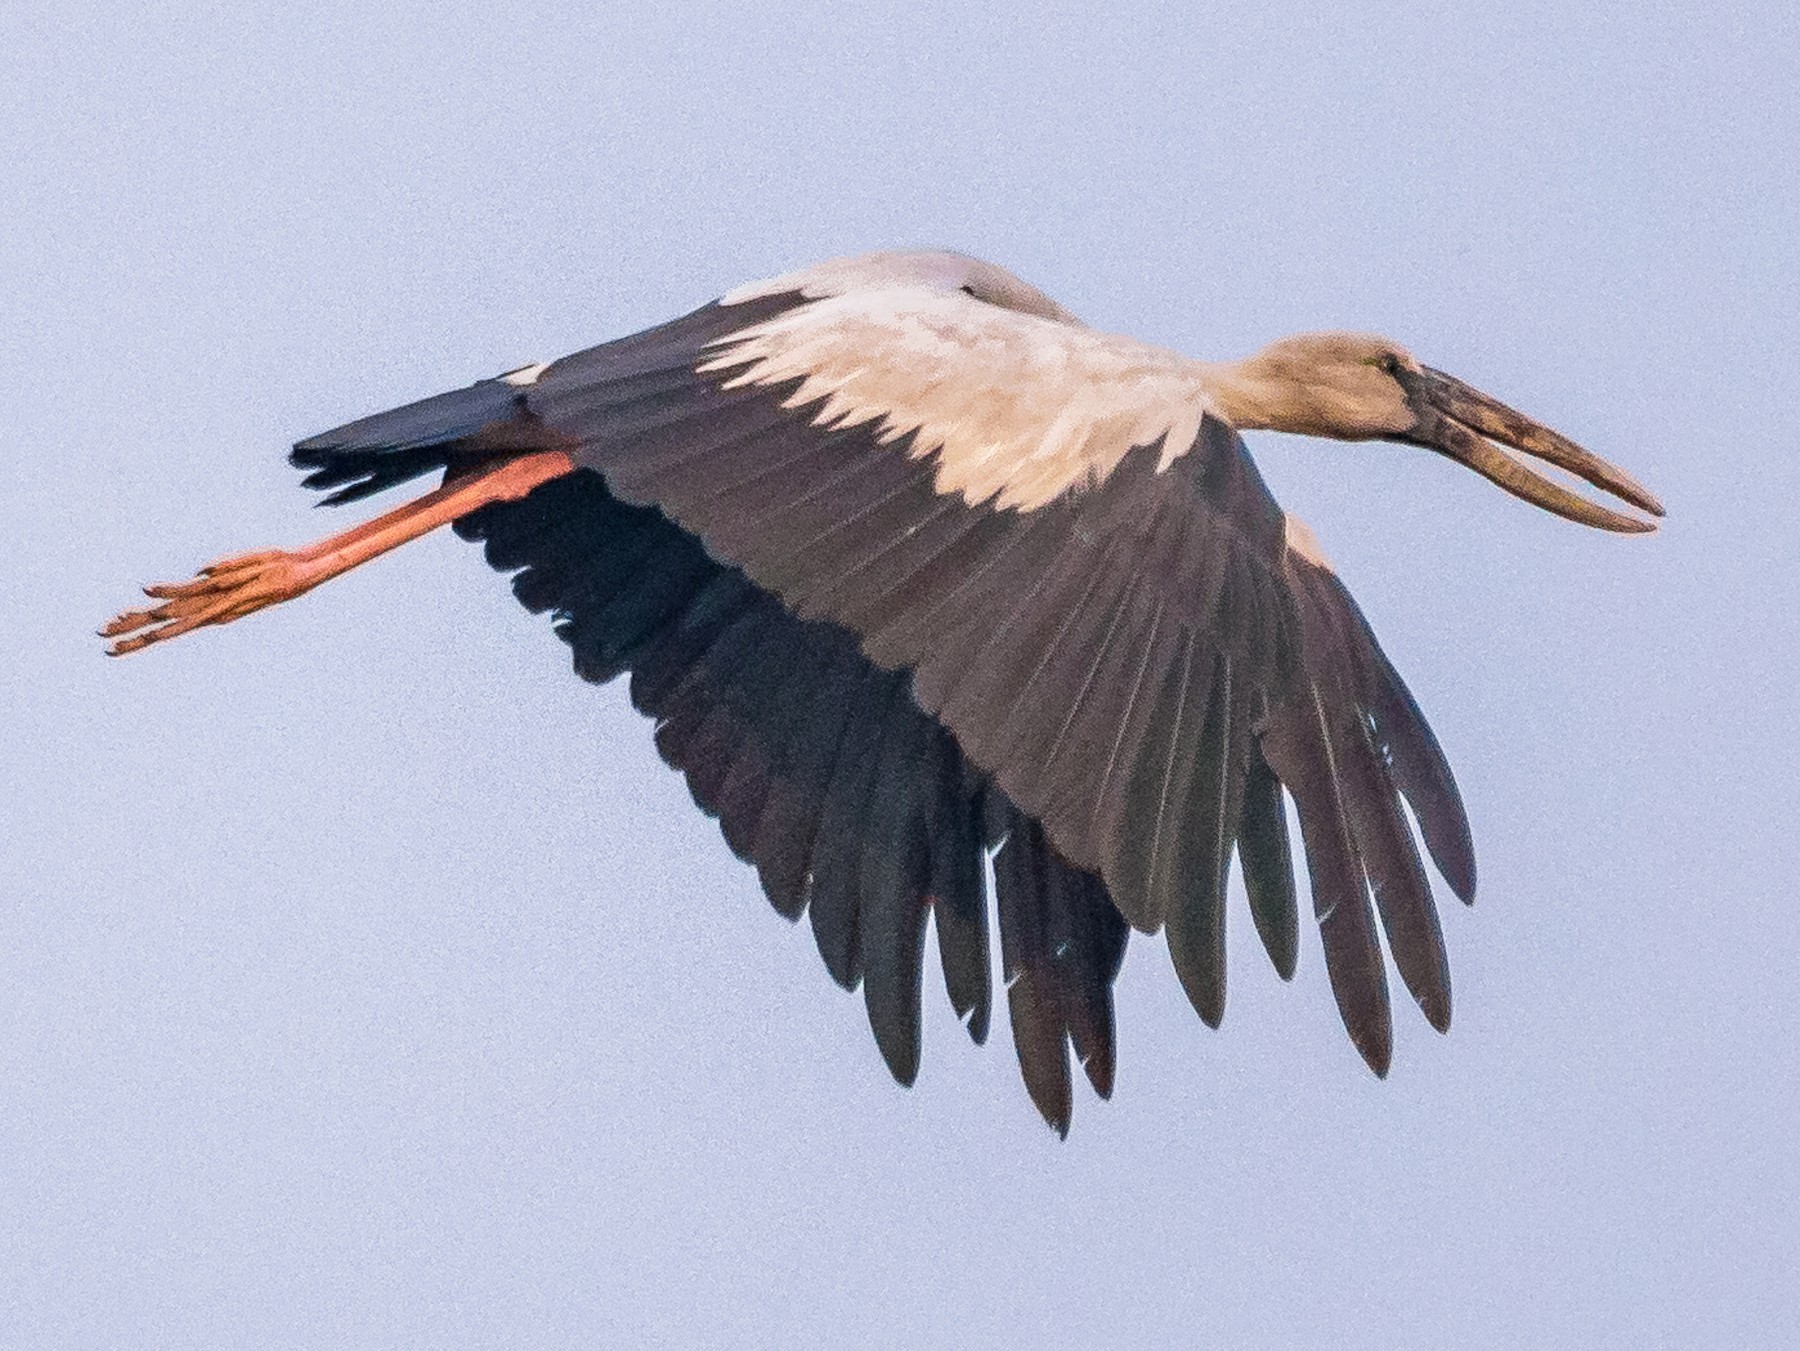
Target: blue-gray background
x,y
366,980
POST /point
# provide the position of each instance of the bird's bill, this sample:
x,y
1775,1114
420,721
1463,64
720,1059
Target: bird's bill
x,y
1463,423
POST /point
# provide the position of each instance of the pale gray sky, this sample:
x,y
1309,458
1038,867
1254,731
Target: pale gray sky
x,y
367,979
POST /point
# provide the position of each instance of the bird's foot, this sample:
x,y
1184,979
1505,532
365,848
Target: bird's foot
x,y
222,592
235,587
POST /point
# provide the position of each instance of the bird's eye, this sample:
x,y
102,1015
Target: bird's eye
x,y
1390,364
969,291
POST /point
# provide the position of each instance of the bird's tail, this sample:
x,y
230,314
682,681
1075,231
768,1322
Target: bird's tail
x,y
484,421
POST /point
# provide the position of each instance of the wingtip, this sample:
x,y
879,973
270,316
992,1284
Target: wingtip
x,y
1205,992
1281,943
1458,869
1436,1008
902,1060
1056,1107
1377,1053
1099,1071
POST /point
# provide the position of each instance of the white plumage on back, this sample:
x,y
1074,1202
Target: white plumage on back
x,y
1018,407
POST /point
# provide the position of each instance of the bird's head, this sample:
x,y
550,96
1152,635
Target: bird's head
x,y
1359,387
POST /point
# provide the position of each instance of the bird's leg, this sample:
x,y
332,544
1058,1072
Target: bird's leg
x,y
237,586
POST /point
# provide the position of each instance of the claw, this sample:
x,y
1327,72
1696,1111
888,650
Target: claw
x,y
205,584
227,590
124,623
238,562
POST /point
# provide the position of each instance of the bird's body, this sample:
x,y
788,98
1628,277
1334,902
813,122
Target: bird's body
x,y
909,565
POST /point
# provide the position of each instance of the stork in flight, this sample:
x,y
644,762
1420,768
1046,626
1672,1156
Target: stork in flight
x,y
910,566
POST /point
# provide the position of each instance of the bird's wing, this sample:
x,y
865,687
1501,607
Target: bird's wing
x,y
1084,575
1031,537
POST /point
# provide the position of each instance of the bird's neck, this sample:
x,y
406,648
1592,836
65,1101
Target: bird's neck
x,y
1244,395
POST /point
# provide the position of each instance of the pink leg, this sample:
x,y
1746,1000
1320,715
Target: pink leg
x,y
234,587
